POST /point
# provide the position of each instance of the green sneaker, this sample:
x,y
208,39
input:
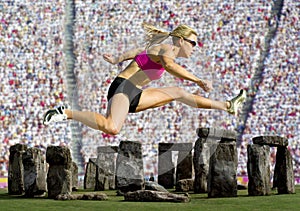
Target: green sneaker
x,y
236,102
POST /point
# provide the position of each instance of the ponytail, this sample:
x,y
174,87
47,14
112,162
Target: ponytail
x,y
154,35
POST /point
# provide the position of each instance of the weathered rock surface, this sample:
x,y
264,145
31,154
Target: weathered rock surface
x,y
222,180
105,170
166,168
185,185
205,147
202,154
154,186
86,196
272,141
59,178
184,168
34,172
16,170
90,174
284,172
154,196
74,176
216,133
258,168
129,167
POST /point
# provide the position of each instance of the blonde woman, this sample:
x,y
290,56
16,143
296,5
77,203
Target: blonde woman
x,y
126,95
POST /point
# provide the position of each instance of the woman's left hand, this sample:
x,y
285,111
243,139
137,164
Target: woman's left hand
x,y
109,58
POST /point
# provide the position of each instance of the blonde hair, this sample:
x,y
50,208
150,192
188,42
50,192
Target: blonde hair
x,y
154,35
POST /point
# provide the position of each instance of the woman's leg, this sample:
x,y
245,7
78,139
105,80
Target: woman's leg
x,y
112,124
155,97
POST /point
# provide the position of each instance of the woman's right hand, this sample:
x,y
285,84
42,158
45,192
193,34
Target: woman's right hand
x,y
205,85
109,58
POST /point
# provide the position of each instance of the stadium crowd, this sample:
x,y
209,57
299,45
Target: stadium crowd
x,y
31,72
231,40
276,107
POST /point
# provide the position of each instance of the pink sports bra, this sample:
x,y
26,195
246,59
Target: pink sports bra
x,y
152,69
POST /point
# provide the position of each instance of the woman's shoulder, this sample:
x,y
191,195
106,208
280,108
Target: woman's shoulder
x,y
157,49
164,46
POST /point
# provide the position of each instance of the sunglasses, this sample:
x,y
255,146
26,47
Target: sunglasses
x,y
193,43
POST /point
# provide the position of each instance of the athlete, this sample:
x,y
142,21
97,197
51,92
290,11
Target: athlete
x,y
126,95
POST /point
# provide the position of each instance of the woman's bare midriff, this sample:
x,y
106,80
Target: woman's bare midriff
x,y
135,75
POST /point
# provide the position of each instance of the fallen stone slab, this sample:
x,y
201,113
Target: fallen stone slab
x,y
155,196
85,196
272,141
154,186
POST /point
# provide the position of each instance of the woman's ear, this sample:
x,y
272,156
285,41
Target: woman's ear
x,y
176,41
180,41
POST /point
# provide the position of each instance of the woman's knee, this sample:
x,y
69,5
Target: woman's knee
x,y
110,128
179,92
113,131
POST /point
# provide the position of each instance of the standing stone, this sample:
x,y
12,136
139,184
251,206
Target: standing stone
x,y
90,174
258,168
205,146
201,165
16,170
42,176
34,173
105,171
129,168
284,173
166,168
59,178
74,176
222,180
184,169
185,185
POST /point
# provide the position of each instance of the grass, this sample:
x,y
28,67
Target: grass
x,y
198,202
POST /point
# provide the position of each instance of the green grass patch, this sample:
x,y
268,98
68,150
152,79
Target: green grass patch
x,y
198,202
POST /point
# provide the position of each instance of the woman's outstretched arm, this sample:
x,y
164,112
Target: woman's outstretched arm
x,y
123,57
178,71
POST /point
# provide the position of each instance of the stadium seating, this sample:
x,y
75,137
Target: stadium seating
x,y
231,38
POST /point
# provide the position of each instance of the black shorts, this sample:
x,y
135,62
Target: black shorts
x,y
122,85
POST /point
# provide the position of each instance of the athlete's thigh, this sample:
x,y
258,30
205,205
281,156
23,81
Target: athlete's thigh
x,y
155,97
117,109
